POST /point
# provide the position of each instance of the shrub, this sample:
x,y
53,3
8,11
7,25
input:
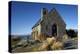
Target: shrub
x,y
51,40
57,46
44,46
71,33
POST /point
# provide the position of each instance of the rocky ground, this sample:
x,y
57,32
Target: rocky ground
x,y
47,45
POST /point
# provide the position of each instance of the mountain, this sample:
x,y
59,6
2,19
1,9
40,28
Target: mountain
x,y
25,37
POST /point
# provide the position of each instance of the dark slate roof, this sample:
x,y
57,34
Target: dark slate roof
x,y
37,23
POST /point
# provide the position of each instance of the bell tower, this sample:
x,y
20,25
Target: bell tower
x,y
44,13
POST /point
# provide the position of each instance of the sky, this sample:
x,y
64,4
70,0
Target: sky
x,y
25,14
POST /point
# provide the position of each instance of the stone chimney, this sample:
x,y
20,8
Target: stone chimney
x,y
44,13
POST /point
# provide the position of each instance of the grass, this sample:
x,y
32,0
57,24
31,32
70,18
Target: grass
x,y
55,45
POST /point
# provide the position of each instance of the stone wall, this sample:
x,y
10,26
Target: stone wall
x,y
45,27
53,18
36,32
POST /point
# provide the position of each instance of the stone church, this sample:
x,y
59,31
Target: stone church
x,y
50,24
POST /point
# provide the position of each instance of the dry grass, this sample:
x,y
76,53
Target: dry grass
x,y
44,46
51,40
47,43
57,46
51,44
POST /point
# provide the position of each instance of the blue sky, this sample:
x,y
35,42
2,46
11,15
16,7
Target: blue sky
x,y
24,15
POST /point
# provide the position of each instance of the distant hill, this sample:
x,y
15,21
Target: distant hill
x,y
22,36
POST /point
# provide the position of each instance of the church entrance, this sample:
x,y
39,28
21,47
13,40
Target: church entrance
x,y
54,30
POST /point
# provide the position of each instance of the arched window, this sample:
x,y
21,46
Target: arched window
x,y
54,30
